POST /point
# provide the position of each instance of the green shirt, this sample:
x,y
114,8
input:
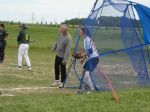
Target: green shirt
x,y
3,34
23,37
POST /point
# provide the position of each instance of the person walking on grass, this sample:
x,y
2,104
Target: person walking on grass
x,y
3,38
23,42
62,48
91,57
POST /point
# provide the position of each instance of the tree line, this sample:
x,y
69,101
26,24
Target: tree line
x,y
103,21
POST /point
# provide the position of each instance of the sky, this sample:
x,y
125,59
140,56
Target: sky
x,y
47,10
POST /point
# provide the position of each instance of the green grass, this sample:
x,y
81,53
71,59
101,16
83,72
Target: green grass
x,y
44,36
131,101
58,100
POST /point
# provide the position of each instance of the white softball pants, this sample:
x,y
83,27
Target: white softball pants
x,y
23,51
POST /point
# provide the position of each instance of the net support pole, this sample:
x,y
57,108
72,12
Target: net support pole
x,y
104,74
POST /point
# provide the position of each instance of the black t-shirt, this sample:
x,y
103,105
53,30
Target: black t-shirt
x,y
3,34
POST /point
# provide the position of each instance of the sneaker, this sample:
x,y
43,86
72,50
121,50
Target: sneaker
x,y
61,85
1,61
19,68
55,83
88,92
84,92
29,68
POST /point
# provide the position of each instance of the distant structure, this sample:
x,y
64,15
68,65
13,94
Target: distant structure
x,y
33,17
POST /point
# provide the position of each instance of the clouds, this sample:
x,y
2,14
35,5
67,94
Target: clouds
x,y
64,9
16,10
144,2
47,10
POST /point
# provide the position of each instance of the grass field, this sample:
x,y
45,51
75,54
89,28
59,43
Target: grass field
x,y
25,91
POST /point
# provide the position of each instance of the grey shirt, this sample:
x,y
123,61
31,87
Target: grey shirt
x,y
62,46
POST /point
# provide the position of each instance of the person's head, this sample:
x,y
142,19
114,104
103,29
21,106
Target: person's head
x,y
23,26
84,31
2,26
64,29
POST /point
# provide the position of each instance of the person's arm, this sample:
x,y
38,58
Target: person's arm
x,y
67,52
88,46
5,35
88,51
27,37
19,37
55,45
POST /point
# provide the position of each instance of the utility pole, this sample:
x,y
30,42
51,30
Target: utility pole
x,y
33,18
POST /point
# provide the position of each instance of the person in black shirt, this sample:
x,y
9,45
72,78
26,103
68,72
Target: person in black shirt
x,y
3,37
23,42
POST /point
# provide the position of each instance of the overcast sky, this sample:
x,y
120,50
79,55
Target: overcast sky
x,y
47,10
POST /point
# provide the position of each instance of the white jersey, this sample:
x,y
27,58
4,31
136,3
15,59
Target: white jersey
x,y
90,47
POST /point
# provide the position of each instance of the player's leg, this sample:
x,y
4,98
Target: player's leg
x,y
63,74
26,56
57,71
88,80
20,54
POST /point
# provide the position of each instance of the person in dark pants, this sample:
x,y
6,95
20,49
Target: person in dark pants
x,y
62,48
3,37
60,67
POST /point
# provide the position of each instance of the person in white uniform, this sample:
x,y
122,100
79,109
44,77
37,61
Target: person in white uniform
x,y
23,41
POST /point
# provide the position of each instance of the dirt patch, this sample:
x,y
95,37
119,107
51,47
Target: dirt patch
x,y
36,89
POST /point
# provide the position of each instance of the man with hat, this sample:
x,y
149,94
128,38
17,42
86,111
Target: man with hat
x,y
23,42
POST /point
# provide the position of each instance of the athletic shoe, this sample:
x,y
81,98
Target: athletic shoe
x,y
1,61
84,92
29,68
55,83
61,85
87,92
19,68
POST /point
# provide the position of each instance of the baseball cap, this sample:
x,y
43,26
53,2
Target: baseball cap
x,y
24,26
